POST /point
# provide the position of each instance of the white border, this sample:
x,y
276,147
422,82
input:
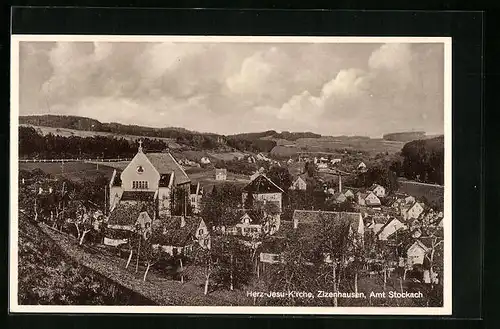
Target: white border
x,y
14,307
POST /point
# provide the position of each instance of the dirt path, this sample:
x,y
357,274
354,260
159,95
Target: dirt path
x,y
160,290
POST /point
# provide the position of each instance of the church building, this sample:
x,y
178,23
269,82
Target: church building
x,y
149,176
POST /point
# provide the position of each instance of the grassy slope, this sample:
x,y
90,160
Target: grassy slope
x,y
76,171
47,276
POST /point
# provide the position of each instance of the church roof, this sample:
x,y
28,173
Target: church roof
x,y
165,164
262,184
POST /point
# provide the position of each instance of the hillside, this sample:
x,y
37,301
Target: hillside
x,y
404,136
47,276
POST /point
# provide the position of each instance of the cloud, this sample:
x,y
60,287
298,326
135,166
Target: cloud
x,y
228,88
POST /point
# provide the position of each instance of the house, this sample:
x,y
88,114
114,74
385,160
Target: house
x,y
349,194
251,159
390,227
412,210
338,197
289,161
177,235
368,199
195,196
375,223
308,223
263,189
205,160
335,161
221,174
149,175
299,184
378,190
416,253
262,157
361,166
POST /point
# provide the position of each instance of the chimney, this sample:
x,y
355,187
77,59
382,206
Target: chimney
x,y
183,221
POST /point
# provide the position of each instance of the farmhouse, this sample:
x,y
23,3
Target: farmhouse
x,y
220,174
179,235
390,227
416,253
361,166
412,210
263,189
151,174
378,190
349,223
254,223
368,199
299,184
195,196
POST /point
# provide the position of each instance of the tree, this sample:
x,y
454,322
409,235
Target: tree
x,y
310,169
217,204
378,174
234,267
281,177
180,204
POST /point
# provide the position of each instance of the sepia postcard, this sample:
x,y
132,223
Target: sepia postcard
x,y
230,175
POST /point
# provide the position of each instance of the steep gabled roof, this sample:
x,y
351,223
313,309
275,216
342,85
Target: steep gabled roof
x,y
170,232
165,163
127,214
262,184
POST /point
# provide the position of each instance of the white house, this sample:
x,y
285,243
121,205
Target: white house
x,y
205,160
180,234
339,197
262,157
299,184
196,194
378,190
264,190
349,194
361,166
416,253
335,161
221,174
390,227
368,199
412,211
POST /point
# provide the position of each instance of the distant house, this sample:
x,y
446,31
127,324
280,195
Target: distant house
x,y
263,189
378,190
195,196
221,174
375,223
368,199
335,161
251,159
262,157
339,197
289,161
361,166
349,194
299,184
391,226
179,235
205,160
309,222
416,253
412,210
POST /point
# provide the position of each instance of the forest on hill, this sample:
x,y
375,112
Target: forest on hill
x,y
404,136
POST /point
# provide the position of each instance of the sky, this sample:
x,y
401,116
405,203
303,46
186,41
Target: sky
x,y
328,88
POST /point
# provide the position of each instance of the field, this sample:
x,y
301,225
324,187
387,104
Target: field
x,y
433,193
334,144
75,171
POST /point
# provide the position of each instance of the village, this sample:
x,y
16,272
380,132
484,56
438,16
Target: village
x,y
300,214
